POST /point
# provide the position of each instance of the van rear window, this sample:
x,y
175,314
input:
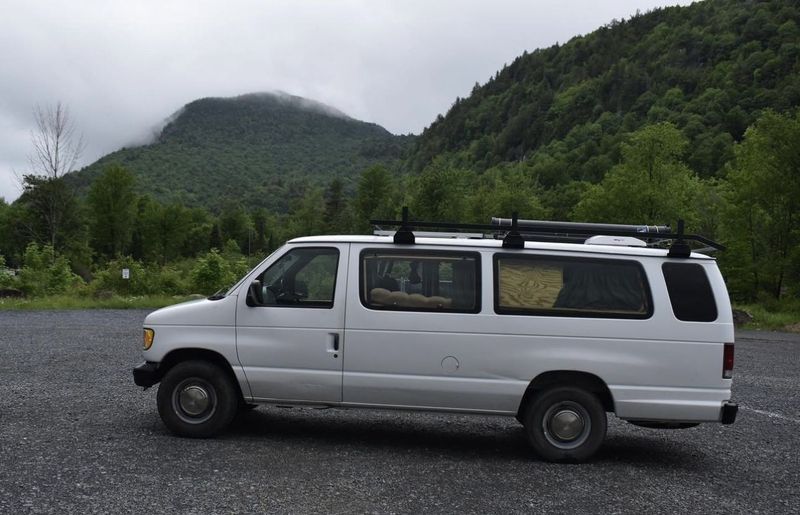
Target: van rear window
x,y
690,292
567,286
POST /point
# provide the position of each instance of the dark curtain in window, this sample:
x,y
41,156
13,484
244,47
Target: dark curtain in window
x,y
430,278
464,284
600,287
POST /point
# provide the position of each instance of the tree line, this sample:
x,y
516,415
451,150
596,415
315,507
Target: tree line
x,y
62,241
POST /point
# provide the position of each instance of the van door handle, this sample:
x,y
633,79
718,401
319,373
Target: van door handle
x,y
335,341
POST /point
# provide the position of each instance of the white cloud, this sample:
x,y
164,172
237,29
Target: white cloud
x,y
122,67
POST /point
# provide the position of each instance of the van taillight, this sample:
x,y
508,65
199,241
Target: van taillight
x,y
727,361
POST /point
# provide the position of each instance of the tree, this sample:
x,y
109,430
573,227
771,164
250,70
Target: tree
x,y
52,215
374,196
235,224
439,193
112,202
502,191
337,210
308,218
56,150
263,225
57,147
652,185
163,230
763,217
200,225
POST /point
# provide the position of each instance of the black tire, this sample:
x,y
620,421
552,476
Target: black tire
x,y
197,399
582,424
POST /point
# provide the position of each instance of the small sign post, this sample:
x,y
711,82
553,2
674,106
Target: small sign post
x,y
126,273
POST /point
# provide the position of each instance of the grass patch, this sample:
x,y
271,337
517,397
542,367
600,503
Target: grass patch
x,y
770,316
779,317
78,302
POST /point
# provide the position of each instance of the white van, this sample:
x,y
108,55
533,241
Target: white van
x,y
554,334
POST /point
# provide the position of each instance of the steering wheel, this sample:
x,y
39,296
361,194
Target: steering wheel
x,y
285,297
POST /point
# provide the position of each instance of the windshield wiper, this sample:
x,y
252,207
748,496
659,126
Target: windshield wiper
x,y
218,295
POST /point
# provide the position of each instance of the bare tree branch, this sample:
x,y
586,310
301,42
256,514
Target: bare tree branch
x,y
57,147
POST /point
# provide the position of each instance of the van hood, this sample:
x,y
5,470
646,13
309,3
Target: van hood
x,y
220,312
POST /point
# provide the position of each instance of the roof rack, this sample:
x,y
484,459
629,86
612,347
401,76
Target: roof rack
x,y
534,229
518,231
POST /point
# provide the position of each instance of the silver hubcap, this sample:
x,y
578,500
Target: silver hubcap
x,y
566,425
194,400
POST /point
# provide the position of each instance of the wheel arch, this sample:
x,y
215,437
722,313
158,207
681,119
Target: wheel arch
x,y
586,380
189,354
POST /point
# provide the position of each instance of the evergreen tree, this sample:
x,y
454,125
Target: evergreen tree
x,y
374,197
235,224
337,209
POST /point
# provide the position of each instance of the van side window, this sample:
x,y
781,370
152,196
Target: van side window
x,y
303,277
567,286
689,292
420,280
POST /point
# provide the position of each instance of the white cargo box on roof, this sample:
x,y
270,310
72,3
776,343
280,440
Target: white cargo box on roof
x,y
622,241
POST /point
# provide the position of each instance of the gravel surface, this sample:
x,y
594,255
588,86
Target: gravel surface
x,y
77,436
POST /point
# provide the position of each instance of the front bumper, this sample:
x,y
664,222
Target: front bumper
x,y
728,412
146,374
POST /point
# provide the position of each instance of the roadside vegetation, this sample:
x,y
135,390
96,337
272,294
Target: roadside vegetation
x,y
773,316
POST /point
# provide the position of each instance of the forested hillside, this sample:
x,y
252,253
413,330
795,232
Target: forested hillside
x,y
709,68
260,149
681,113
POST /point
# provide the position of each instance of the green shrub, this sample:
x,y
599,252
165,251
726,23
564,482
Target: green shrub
x,y
144,280
45,273
170,281
7,279
211,273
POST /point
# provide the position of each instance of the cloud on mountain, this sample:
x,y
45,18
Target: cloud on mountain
x,y
122,67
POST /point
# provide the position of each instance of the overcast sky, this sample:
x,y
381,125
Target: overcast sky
x,y
122,67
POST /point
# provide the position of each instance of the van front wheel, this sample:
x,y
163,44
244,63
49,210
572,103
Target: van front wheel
x,y
197,399
565,424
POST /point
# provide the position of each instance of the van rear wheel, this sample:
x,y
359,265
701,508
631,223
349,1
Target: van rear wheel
x,y
197,399
565,424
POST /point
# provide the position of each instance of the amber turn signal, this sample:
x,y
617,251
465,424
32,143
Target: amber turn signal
x,y
149,334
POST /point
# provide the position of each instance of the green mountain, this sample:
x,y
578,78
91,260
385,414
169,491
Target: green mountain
x,y
709,68
263,149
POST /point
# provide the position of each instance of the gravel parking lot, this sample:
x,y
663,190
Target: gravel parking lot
x,y
76,436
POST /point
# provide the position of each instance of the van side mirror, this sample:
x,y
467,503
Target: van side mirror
x,y
254,294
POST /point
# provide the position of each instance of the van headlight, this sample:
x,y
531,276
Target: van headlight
x,y
149,334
